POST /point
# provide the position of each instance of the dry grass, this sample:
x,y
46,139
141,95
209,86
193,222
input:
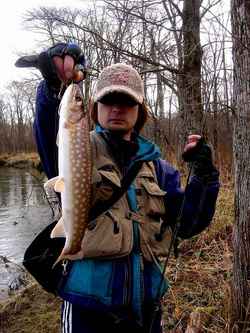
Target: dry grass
x,y
199,279
20,159
33,310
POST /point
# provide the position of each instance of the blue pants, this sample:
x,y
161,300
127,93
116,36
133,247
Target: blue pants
x,y
76,320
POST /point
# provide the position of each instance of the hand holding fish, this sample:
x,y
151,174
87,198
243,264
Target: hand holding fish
x,y
69,63
60,63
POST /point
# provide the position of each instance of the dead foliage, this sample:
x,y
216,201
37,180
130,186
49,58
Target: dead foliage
x,y
200,276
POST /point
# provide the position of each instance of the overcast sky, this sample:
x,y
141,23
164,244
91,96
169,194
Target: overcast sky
x,y
14,39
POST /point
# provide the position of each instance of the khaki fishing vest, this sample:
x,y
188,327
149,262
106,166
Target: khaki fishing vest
x,y
111,234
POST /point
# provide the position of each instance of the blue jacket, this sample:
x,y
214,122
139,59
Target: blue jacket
x,y
198,210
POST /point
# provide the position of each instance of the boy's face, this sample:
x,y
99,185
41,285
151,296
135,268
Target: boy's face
x,y
118,112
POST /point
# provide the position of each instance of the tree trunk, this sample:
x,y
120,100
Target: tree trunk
x,y
191,79
240,312
215,118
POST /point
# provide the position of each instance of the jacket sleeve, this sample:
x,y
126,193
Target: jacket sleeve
x,y
46,128
199,200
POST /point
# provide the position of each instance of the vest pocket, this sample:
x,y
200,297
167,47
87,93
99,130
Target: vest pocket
x,y
108,182
109,237
151,204
112,176
150,242
153,199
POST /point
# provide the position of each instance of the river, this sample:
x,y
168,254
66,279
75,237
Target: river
x,y
24,211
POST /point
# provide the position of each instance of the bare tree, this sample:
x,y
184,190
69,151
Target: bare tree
x,y
3,127
192,112
159,38
240,314
16,117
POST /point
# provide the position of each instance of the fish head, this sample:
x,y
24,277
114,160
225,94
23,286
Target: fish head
x,y
72,105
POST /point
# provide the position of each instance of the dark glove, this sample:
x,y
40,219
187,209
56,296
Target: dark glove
x,y
201,158
47,67
45,64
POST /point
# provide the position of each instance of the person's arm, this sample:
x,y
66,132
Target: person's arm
x,y
61,63
46,128
199,206
199,198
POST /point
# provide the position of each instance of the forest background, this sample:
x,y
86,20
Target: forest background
x,y
150,36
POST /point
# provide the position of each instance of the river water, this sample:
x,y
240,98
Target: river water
x,y
24,211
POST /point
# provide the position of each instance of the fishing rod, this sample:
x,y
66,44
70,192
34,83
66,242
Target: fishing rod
x,y
172,242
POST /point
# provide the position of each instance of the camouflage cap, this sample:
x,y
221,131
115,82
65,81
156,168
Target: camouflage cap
x,y
120,78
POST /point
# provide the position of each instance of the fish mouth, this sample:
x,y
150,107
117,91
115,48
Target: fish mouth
x,y
77,93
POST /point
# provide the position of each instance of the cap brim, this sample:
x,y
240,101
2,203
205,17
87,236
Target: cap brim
x,y
120,89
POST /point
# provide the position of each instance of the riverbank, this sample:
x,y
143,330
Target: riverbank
x,y
32,310
20,160
200,285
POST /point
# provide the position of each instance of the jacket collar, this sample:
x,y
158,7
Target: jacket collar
x,y
138,149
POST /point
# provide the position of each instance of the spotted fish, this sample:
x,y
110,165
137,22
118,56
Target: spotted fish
x,y
75,172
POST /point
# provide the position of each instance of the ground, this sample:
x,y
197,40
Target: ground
x,y
33,310
200,277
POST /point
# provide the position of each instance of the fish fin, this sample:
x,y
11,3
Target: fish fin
x,y
50,183
59,185
58,230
